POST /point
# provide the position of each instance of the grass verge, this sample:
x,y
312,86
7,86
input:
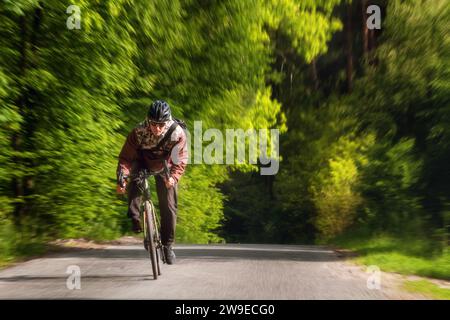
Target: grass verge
x,y
428,289
404,256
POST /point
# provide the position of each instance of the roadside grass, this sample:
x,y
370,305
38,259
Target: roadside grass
x,y
17,252
27,243
405,256
428,289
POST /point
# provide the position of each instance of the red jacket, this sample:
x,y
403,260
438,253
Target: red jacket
x,y
140,146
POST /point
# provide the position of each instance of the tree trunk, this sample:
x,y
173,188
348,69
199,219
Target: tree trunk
x,y
16,139
349,47
365,30
314,75
32,120
23,186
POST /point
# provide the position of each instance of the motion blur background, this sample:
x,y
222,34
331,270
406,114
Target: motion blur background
x,y
364,116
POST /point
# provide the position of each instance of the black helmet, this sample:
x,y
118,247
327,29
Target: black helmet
x,y
159,111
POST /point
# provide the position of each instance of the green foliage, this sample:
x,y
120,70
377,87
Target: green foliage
x,y
406,101
252,215
61,117
374,158
308,24
427,288
411,254
202,205
388,181
334,190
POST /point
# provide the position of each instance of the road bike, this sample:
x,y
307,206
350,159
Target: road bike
x,y
149,219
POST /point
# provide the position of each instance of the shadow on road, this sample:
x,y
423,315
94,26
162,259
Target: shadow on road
x,y
255,254
213,252
107,277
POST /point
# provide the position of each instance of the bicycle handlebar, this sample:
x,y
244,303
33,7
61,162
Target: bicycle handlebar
x,y
144,174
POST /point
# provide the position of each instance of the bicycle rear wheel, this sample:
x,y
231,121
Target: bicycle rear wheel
x,y
150,238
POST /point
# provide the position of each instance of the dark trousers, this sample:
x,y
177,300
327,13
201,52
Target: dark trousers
x,y
168,206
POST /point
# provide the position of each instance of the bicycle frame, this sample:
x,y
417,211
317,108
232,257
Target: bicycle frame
x,y
146,197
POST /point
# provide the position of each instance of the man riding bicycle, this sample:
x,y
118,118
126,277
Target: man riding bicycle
x,y
148,145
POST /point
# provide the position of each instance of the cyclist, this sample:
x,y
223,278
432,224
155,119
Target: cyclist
x,y
156,139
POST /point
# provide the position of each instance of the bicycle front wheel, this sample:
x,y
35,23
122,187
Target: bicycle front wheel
x,y
150,237
157,239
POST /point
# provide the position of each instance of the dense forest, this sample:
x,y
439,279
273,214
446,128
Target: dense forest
x,y
364,116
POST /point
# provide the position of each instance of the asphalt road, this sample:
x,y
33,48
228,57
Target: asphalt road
x,y
201,272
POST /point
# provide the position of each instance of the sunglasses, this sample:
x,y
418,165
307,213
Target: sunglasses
x,y
157,124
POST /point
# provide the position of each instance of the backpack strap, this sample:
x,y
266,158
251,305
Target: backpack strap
x,y
167,135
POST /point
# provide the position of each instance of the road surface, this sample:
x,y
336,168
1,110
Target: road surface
x,y
202,272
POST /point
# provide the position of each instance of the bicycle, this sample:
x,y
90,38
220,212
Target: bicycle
x,y
152,238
